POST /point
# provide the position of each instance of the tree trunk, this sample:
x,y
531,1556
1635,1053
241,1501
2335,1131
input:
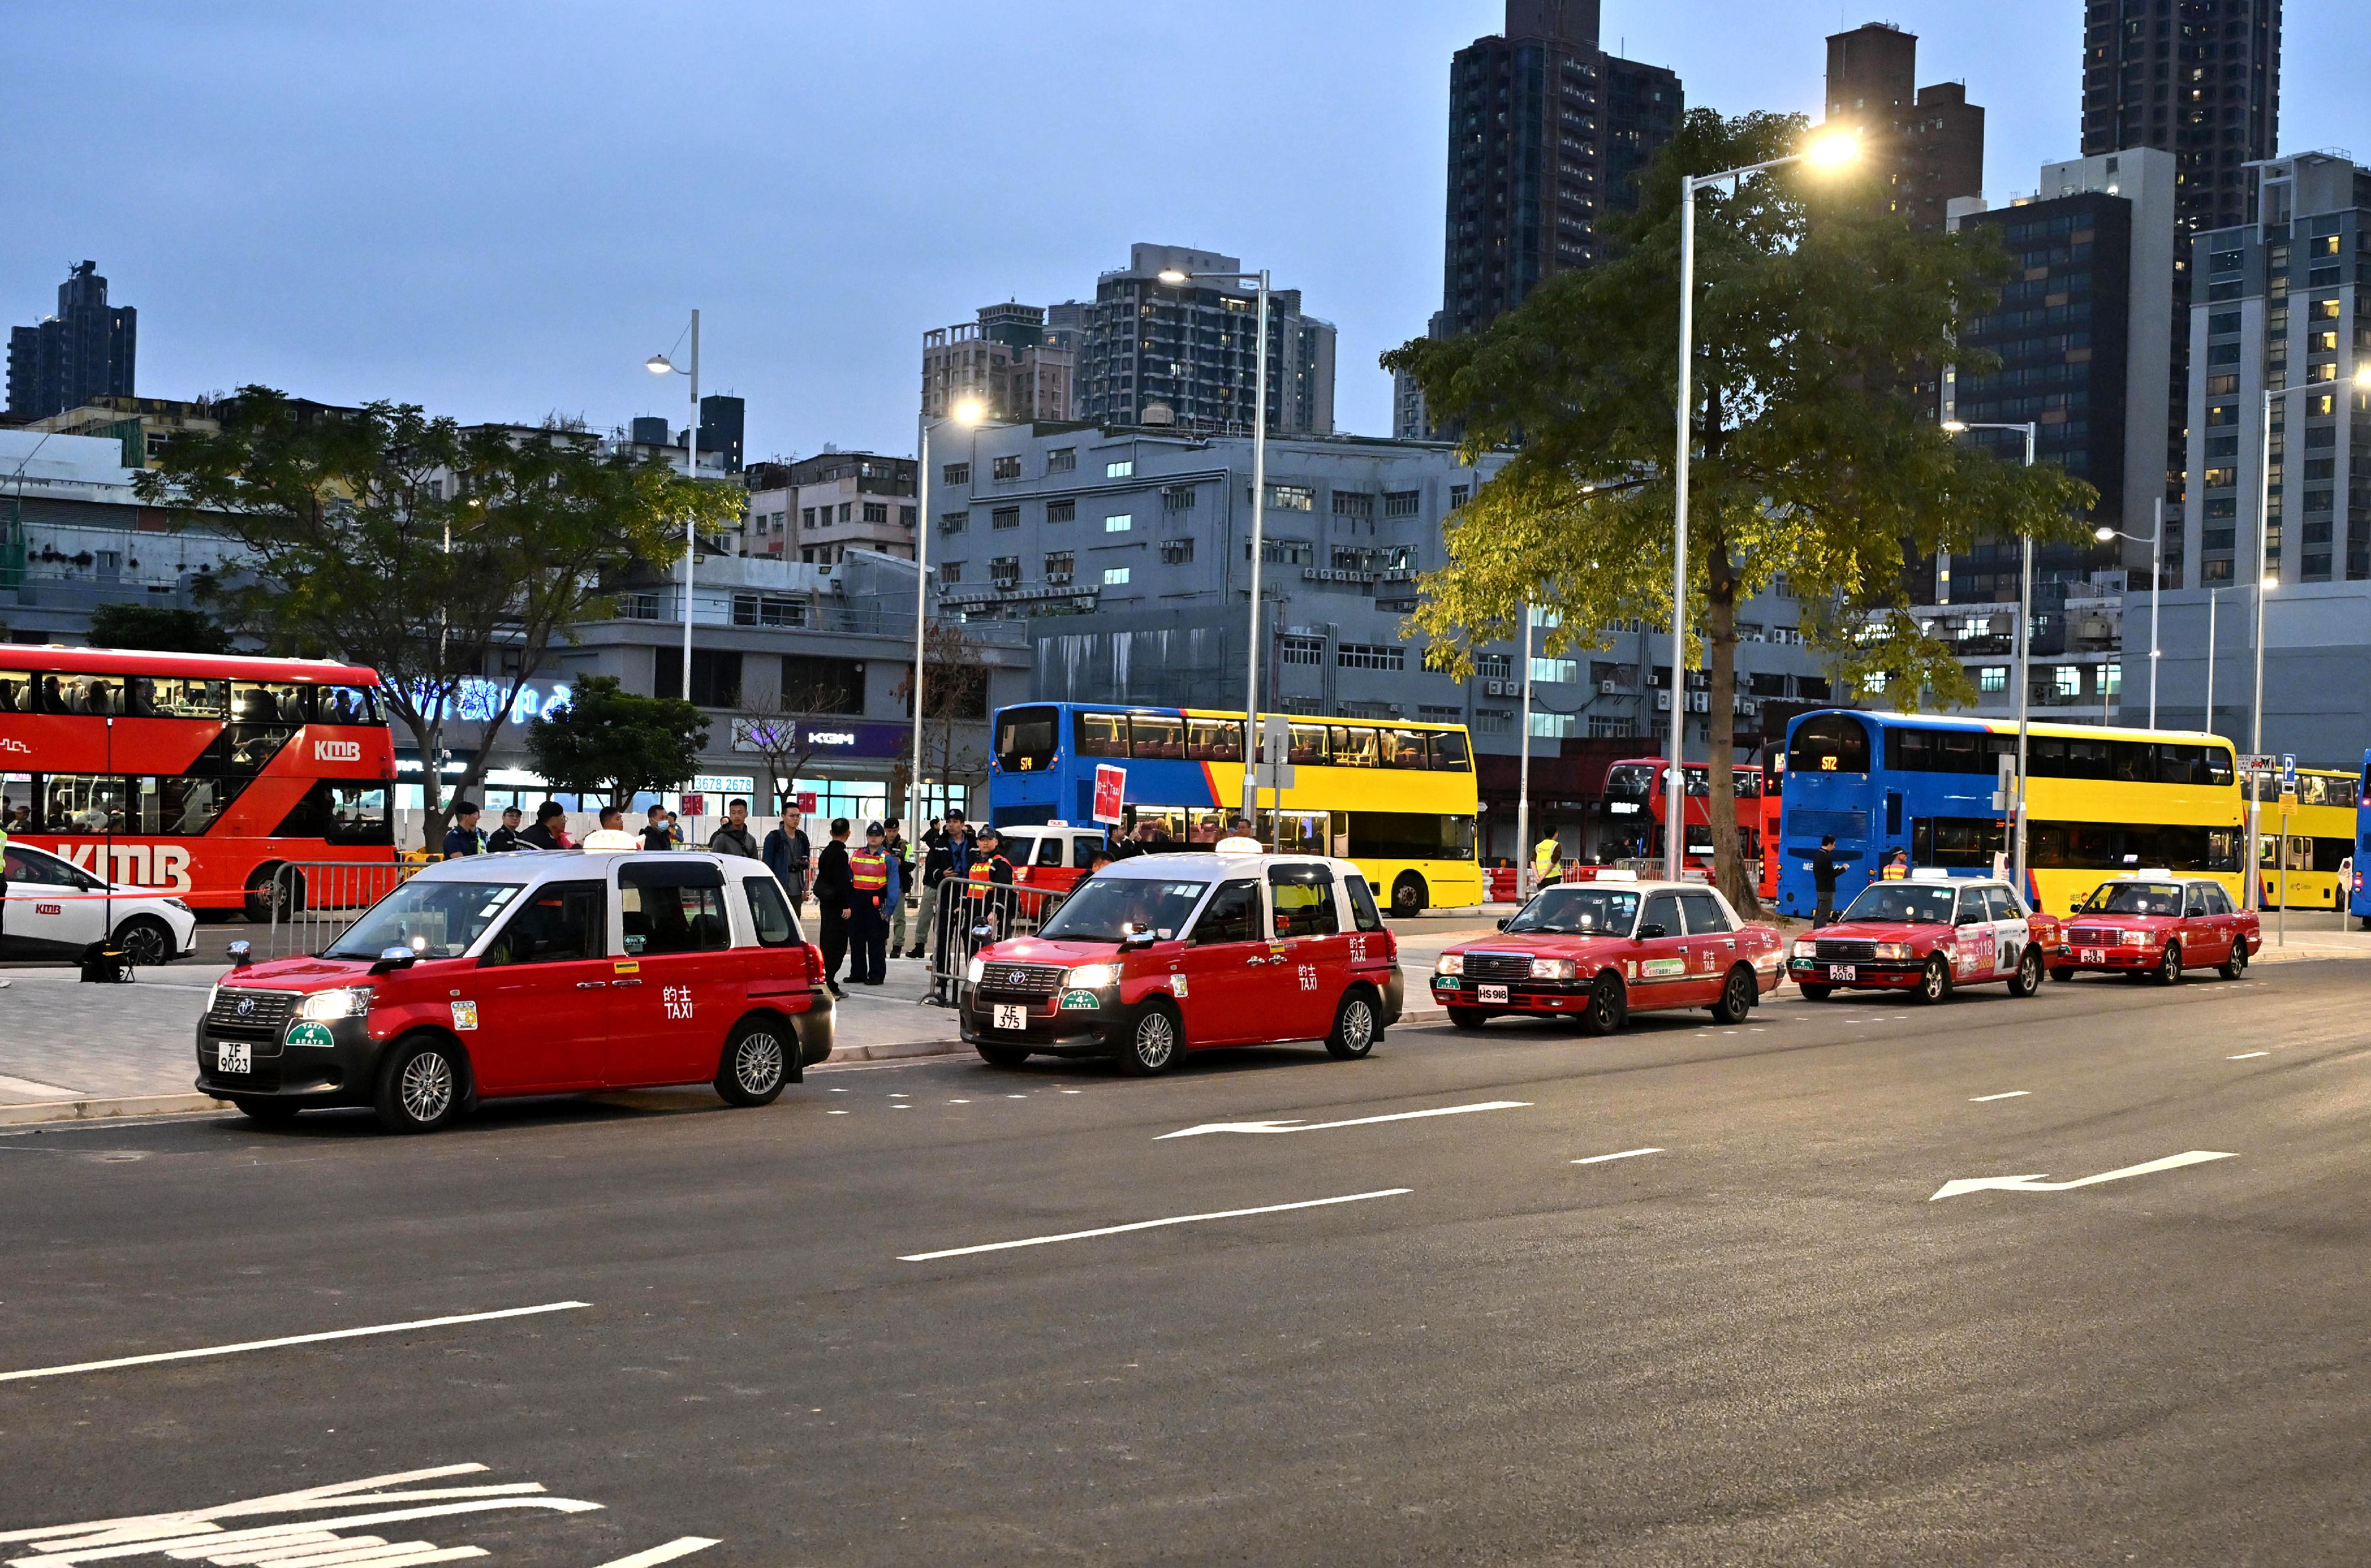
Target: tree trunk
x,y
427,734
1730,871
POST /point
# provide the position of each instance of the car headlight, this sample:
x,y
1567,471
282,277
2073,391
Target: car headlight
x,y
974,969
1091,977
1807,950
1552,969
347,1002
1450,963
2141,939
1898,951
177,904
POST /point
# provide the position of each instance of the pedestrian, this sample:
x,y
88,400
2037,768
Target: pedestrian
x,y
550,829
1547,858
872,882
1097,861
946,852
1824,882
989,888
505,838
3,864
733,838
901,860
463,837
1897,865
612,833
832,899
674,831
655,830
788,855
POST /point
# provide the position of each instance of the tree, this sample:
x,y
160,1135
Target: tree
x,y
158,629
1816,312
608,740
780,734
345,517
955,693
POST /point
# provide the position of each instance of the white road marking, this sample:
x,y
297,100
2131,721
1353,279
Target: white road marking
x,y
1295,1126
1149,1225
958,1102
2037,1184
1625,1154
2246,1056
1074,1092
40,1090
2004,1094
835,1113
289,1340
682,1547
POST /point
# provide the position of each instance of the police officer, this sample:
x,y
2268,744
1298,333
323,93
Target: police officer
x,y
463,837
872,882
988,890
834,902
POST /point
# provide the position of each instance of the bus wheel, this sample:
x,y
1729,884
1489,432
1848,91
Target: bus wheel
x,y
1409,894
268,892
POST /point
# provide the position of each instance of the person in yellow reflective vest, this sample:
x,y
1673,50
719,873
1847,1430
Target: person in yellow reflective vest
x,y
1547,858
988,892
872,882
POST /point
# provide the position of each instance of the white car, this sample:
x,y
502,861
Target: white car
x,y
55,911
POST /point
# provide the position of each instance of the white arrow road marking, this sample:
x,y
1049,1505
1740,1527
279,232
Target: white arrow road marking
x,y
1151,1225
2246,1056
291,1339
682,1547
1292,1126
2009,1094
1625,1154
2038,1183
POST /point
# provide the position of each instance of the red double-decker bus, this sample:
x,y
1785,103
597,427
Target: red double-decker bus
x,y
191,773
1638,801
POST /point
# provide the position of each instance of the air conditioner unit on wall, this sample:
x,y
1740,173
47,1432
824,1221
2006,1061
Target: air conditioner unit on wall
x,y
1607,688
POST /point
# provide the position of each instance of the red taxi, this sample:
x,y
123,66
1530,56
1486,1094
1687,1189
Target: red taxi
x,y
2155,923
1052,854
1599,950
1927,935
1158,955
489,975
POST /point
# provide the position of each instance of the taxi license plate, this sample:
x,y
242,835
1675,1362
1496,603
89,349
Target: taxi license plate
x,y
2093,955
235,1059
1494,992
1842,972
1009,1015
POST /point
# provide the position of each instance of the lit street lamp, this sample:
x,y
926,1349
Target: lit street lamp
x,y
659,365
966,412
2024,643
2156,576
1172,276
1832,150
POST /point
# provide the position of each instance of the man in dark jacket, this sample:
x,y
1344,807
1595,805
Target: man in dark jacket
x,y
463,837
1824,880
733,838
550,829
834,897
505,838
788,855
655,830
946,852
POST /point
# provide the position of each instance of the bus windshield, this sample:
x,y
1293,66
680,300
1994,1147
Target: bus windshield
x,y
1024,739
1578,910
1103,909
2133,899
1629,780
435,919
1900,903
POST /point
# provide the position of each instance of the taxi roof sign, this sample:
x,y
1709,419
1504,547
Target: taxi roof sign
x,y
1930,874
1238,845
1617,876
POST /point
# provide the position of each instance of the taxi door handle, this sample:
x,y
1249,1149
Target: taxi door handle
x,y
590,985
622,984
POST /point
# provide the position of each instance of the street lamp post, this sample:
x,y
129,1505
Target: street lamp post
x,y
2156,577
2213,603
1524,786
659,365
1832,150
2024,645
968,413
1259,529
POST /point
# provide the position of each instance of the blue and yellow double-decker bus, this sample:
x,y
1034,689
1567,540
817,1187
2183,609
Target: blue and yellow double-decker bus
x,y
1398,798
2101,800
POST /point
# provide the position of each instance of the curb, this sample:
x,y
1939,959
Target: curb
x,y
99,1108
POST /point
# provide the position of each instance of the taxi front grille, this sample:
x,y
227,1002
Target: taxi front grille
x,y
1831,951
1497,966
242,1014
1021,979
2093,935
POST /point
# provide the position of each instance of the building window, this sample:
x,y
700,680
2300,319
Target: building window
x,y
1402,503
1433,714
715,676
1062,511
1494,720
1062,460
956,473
1992,677
1370,656
1004,468
1120,522
906,515
638,606
1555,672
950,571
1177,498
1004,571
1114,577
1354,503
1495,666
1284,552
1120,468
1291,498
1459,495
2066,680
768,609
1554,726
1176,552
1603,726
806,517
953,521
876,512
1060,564
1309,650
1004,517
2112,678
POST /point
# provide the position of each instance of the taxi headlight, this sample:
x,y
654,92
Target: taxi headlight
x,y
1552,969
1897,951
1807,950
973,970
2141,939
346,1003
1450,963
1091,977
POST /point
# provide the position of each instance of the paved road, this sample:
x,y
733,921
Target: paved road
x,y
1765,1342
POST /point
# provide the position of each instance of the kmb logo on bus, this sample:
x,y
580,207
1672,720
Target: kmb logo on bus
x,y
337,751
144,865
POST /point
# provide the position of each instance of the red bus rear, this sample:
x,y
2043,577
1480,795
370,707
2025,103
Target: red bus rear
x,y
1635,791
1773,781
197,774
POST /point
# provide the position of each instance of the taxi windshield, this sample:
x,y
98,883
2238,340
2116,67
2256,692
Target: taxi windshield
x,y
1578,910
2133,899
1901,901
433,918
1104,908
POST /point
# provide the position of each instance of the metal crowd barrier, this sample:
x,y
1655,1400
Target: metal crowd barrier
x,y
314,901
963,925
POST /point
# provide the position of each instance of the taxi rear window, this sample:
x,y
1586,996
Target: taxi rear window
x,y
1362,904
1304,900
673,907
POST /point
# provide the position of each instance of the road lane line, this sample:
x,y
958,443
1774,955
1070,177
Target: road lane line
x,y
1294,1125
1625,1154
291,1339
1149,1225
682,1547
2007,1094
2246,1056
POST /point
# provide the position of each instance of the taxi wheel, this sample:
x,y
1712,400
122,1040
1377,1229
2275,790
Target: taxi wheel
x,y
1002,1056
754,1065
2062,975
1355,1028
1467,1018
1608,1009
1156,1041
145,941
1815,993
1935,981
420,1088
273,1111
2237,964
2169,968
2028,978
1737,993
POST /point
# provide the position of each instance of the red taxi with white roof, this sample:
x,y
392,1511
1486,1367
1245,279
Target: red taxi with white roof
x,y
1052,855
2158,924
1158,955
552,973
1597,951
1928,934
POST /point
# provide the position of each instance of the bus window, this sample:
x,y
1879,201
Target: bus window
x,y
1630,781
1103,734
177,697
1024,739
341,812
1962,842
1307,746
189,805
1829,742
1214,740
1297,833
1157,739
1747,783
1401,748
347,705
1449,752
83,803
1409,835
1354,746
16,691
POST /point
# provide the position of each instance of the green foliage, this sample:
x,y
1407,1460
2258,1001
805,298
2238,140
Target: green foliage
x,y
1817,314
158,629
609,741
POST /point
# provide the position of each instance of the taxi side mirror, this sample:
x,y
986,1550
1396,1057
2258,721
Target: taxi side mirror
x,y
242,953
1650,931
1136,941
1503,925
394,958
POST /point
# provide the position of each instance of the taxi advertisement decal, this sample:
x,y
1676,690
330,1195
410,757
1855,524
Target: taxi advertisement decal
x,y
465,1015
1177,984
1664,969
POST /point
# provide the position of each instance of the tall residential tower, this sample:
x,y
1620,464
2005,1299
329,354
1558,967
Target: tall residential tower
x,y
86,350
